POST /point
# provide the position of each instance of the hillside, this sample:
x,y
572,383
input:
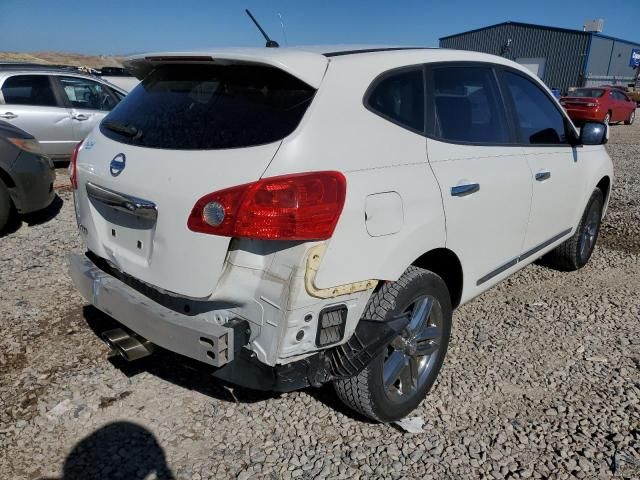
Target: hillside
x,y
64,58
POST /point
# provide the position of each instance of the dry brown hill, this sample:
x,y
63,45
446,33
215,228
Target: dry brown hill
x,y
64,58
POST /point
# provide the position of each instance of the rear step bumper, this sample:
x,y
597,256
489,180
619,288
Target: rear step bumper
x,y
194,336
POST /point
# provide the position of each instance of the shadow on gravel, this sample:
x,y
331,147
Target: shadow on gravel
x,y
193,375
117,450
327,395
177,369
31,219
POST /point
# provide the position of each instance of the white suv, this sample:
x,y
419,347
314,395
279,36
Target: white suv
x,y
294,217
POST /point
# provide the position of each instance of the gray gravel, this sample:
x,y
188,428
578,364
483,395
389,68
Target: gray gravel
x,y
542,380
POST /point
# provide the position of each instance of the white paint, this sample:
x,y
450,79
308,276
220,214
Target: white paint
x,y
534,65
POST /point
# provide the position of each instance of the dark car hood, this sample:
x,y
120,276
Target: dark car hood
x,y
8,130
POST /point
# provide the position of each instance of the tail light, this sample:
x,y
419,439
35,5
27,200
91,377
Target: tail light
x,y
303,206
73,166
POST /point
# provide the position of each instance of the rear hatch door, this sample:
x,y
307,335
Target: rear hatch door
x,y
187,130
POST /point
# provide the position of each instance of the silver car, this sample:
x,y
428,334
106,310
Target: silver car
x,y
58,106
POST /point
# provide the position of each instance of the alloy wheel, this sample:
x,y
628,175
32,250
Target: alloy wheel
x,y
412,355
589,232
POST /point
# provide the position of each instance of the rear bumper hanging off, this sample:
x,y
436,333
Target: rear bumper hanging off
x,y
195,336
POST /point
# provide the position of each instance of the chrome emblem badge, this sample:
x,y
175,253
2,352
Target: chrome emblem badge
x,y
117,164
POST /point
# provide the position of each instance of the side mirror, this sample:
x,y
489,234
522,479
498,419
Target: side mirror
x,y
594,133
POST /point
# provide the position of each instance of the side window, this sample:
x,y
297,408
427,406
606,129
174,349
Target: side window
x,y
87,94
467,106
620,96
539,120
29,90
399,97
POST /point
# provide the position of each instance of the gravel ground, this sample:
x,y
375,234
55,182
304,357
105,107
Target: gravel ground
x,y
542,380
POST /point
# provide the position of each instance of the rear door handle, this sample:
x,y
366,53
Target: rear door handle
x,y
8,115
464,190
542,176
80,116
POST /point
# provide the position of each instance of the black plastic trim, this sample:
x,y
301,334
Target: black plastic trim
x,y
370,50
177,303
497,271
522,257
536,249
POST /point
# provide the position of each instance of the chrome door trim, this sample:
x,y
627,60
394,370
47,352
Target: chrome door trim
x,y
522,257
124,203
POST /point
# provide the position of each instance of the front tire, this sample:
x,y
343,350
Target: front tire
x,y
399,378
631,119
575,252
5,206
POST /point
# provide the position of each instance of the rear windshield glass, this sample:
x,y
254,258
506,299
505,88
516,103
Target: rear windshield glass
x,y
587,92
206,107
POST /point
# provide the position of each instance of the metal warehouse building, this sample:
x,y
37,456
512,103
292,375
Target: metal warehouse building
x,y
562,58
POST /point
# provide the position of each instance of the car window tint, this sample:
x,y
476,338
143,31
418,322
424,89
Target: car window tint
x,y
208,107
539,120
467,106
28,90
399,97
87,94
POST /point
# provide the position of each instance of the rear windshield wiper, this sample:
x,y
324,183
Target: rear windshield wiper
x,y
123,128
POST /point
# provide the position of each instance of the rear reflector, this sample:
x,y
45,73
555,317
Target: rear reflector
x,y
303,206
331,325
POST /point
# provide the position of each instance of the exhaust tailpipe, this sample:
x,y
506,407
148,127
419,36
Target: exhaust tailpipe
x,y
129,346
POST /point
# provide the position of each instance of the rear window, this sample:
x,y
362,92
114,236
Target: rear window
x,y
587,92
207,107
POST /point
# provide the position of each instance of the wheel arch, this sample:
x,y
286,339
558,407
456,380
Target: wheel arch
x,y
6,178
605,187
446,264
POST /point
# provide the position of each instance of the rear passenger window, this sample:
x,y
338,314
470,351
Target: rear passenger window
x,y
28,90
399,97
467,106
539,119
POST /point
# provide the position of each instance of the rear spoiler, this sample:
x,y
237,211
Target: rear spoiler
x,y
306,66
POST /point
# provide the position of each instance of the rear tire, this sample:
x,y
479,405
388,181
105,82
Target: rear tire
x,y
399,378
576,251
5,206
632,117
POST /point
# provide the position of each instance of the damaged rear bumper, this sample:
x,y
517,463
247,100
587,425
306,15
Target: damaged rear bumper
x,y
201,337
206,337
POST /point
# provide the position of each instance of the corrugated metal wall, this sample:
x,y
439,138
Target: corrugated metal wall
x,y
620,56
564,50
599,56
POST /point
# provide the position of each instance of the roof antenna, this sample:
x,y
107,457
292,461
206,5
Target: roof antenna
x,y
270,43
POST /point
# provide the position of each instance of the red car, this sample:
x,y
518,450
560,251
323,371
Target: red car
x,y
602,104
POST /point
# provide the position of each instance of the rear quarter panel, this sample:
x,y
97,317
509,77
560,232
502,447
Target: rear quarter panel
x,y
376,156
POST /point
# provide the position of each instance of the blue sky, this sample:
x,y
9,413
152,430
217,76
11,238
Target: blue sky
x,y
128,26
